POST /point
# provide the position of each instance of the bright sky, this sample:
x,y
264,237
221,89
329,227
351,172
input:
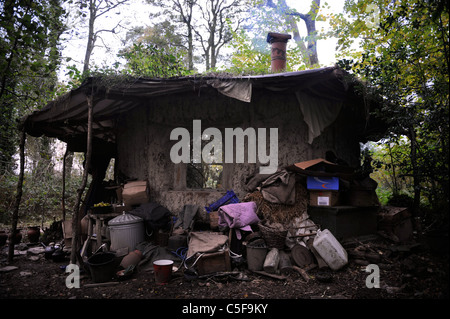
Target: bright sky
x,y
136,13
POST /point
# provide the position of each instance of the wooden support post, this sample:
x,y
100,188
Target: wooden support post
x,y
18,198
63,201
76,226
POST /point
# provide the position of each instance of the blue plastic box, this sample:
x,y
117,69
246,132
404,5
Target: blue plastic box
x,y
322,183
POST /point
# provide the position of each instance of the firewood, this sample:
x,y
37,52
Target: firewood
x,y
301,272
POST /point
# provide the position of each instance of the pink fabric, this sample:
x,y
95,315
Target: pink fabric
x,y
238,216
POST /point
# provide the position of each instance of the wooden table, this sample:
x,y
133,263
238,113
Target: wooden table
x,y
99,220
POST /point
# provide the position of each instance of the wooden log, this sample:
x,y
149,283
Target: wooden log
x,y
274,276
301,272
102,284
321,263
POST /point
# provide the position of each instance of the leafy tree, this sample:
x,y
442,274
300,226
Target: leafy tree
x,y
204,25
163,35
213,32
149,60
180,13
252,56
30,32
405,59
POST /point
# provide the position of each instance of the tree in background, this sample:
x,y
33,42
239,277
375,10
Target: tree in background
x,y
219,18
290,17
180,14
146,59
404,58
205,26
251,53
29,44
162,37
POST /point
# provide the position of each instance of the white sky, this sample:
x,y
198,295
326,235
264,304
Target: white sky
x,y
136,13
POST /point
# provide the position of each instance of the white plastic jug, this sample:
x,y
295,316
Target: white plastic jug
x,y
330,249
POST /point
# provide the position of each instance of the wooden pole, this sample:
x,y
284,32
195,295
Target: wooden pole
x,y
63,201
76,226
18,198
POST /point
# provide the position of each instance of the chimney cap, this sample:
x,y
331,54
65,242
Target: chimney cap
x,y
278,37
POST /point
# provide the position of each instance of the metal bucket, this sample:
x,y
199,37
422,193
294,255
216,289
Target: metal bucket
x,y
126,231
256,254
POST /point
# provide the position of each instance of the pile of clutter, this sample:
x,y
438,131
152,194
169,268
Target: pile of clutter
x,y
269,232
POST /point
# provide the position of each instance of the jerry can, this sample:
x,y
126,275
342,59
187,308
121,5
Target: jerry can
x,y
330,249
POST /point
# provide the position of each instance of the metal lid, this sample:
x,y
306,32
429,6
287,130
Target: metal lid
x,y
125,219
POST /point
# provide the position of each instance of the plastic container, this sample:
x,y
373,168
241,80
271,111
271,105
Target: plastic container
x,y
229,198
329,248
126,230
163,271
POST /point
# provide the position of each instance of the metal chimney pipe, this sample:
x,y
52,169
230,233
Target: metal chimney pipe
x,y
278,55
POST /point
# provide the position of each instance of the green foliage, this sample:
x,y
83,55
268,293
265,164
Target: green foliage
x,y
251,55
29,35
42,189
146,59
405,61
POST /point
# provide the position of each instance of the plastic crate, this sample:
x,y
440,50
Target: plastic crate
x,y
229,198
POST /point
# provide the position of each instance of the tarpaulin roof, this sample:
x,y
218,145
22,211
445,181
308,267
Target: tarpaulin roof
x,y
66,117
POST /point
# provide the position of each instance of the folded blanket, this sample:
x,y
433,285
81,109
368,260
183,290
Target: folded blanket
x,y
238,216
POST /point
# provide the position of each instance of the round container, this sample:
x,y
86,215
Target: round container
x,y
126,230
163,271
17,238
256,254
102,266
33,233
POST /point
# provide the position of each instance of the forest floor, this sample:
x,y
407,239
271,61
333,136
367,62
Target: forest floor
x,y
411,271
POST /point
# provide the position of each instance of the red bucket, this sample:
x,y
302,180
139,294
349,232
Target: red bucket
x,y
163,271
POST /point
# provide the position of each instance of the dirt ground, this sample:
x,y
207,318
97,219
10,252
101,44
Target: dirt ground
x,y
410,271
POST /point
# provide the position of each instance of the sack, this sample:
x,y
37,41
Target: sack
x,y
155,216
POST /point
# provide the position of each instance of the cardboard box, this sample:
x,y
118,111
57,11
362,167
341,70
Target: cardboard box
x,y
321,167
322,183
397,221
136,193
67,233
323,198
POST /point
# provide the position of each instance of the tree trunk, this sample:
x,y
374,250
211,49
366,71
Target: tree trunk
x,y
312,42
310,51
190,49
416,173
91,36
15,217
76,226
